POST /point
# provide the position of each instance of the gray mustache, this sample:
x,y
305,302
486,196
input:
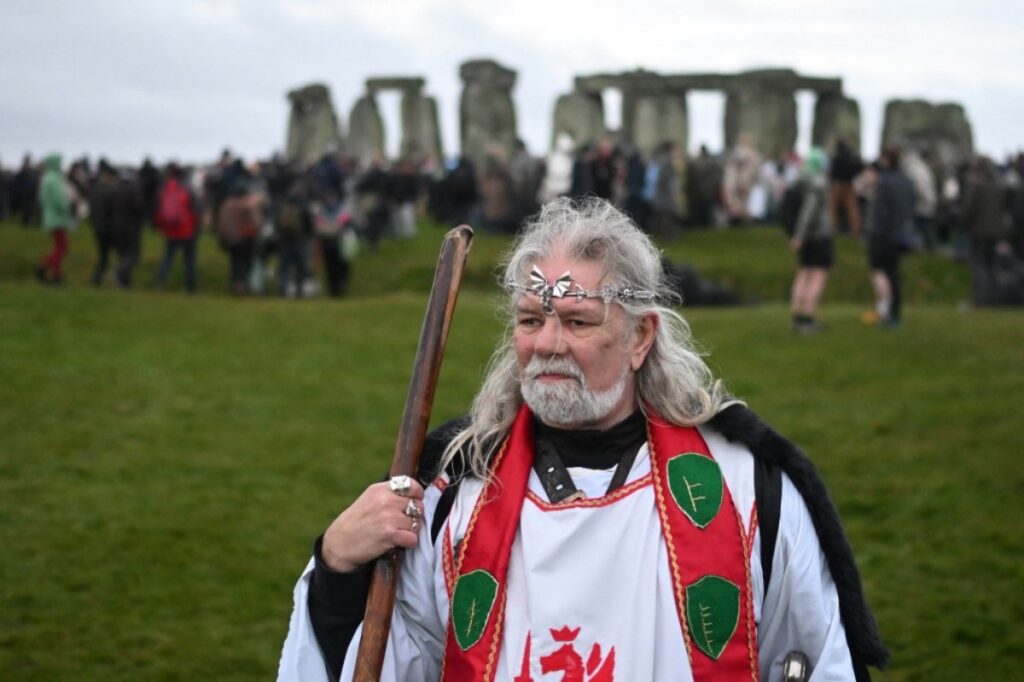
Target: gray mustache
x,y
536,367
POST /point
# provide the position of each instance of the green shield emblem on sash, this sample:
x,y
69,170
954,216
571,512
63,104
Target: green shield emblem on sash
x,y
696,485
471,606
712,612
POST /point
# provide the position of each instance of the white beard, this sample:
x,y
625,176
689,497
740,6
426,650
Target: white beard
x,y
568,403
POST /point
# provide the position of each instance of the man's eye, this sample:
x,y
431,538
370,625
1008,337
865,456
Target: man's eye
x,y
529,322
579,324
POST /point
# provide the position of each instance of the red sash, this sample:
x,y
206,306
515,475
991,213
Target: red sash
x,y
707,549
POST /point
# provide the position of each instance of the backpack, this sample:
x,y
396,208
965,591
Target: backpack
x,y
237,220
291,220
172,213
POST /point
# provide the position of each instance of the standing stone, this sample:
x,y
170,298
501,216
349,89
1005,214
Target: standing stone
x,y
938,129
581,116
365,130
421,133
836,117
487,115
655,118
760,106
313,128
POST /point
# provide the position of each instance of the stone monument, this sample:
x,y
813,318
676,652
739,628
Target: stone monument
x,y
421,134
760,105
938,129
836,117
581,116
312,124
365,131
487,114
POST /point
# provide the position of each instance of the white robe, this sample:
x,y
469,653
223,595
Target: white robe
x,y
589,568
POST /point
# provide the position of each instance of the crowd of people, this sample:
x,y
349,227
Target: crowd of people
x,y
278,223
294,229
901,203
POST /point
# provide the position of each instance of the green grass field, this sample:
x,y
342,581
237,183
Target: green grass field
x,y
166,461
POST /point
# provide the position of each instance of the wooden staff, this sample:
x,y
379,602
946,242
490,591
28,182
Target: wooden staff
x,y
425,371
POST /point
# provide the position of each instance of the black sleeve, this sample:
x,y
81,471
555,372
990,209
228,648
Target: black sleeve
x,y
336,603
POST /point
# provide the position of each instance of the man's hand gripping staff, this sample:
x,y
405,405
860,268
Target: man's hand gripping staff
x,y
393,504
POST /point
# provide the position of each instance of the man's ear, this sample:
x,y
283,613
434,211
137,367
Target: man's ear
x,y
643,339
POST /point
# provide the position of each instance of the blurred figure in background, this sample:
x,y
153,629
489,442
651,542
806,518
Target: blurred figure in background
x,y
661,189
238,223
404,191
5,192
988,225
372,199
842,199
24,192
55,206
177,218
117,215
700,190
742,168
635,204
892,215
524,172
558,176
496,199
925,199
337,241
149,184
293,223
812,242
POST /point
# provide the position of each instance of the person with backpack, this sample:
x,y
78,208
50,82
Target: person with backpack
x,y
177,218
812,241
293,225
238,222
605,504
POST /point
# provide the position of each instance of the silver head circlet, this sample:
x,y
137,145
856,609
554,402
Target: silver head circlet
x,y
566,287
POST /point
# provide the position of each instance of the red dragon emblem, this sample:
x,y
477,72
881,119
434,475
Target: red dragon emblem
x,y
568,661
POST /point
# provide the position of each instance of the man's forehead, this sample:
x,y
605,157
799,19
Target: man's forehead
x,y
585,273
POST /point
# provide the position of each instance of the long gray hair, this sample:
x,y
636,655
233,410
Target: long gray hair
x,y
674,381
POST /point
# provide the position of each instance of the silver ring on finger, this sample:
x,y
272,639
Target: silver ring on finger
x,y
400,485
411,510
415,525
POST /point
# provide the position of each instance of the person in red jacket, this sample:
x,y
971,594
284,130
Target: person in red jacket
x,y
177,217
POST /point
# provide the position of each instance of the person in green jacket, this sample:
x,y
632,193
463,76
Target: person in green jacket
x,y
55,202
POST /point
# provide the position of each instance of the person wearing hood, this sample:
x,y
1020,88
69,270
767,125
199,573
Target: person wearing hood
x,y
812,242
55,204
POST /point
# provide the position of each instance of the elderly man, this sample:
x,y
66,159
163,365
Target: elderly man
x,y
606,512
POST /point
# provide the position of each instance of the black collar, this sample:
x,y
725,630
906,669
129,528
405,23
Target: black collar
x,y
591,448
556,449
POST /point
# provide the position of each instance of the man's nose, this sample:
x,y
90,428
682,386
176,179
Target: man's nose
x,y
550,338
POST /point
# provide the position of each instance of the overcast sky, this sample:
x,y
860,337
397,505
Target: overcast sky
x,y
184,78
